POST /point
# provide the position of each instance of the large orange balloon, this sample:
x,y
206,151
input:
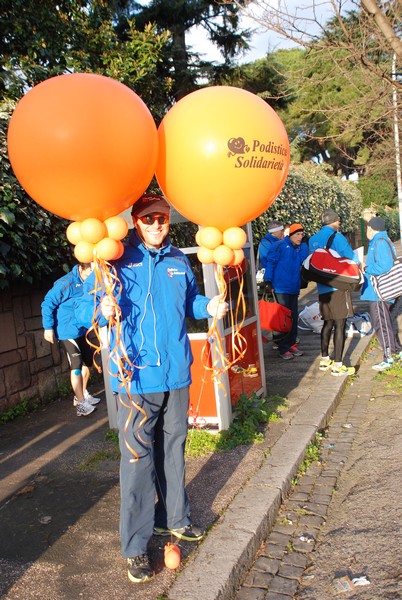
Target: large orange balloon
x,y
223,156
83,145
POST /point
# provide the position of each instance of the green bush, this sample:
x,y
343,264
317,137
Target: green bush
x,y
391,218
33,243
308,190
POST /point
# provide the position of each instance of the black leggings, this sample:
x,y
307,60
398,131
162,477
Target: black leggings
x,y
339,326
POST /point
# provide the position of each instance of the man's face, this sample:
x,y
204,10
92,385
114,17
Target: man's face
x,y
278,234
296,238
370,232
152,229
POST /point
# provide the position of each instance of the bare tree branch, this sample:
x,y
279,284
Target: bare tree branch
x,y
383,24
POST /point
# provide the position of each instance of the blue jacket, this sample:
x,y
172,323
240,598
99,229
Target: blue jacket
x,y
58,306
265,249
379,260
283,266
158,291
340,244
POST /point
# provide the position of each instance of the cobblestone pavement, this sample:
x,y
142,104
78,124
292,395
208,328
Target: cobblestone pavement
x,y
284,560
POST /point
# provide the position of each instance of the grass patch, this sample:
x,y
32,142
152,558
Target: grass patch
x,y
19,410
250,414
94,462
313,453
391,378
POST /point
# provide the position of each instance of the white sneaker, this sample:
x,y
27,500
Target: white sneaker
x,y
88,398
91,399
385,364
84,409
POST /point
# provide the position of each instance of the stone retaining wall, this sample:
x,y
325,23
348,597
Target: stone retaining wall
x,y
29,366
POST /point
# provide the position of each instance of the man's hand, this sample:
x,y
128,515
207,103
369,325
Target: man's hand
x,y
108,307
217,307
268,287
49,335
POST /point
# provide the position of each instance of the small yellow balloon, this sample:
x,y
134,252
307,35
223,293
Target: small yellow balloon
x,y
205,255
238,258
84,252
117,227
109,249
234,237
223,255
210,237
73,233
93,230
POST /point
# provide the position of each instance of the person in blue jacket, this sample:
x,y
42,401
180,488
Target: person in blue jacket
x,y
283,276
59,322
379,260
268,243
266,247
335,305
158,291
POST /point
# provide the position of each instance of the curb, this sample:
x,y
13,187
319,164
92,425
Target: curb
x,y
215,570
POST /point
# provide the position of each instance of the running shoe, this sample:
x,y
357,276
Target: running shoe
x,y
139,569
84,408
343,370
189,533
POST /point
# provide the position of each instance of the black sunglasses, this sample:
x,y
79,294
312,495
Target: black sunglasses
x,y
150,219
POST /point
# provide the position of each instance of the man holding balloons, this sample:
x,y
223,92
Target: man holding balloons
x,y
220,169
157,292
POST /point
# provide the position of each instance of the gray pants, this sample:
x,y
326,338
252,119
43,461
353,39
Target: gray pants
x,y
382,323
159,471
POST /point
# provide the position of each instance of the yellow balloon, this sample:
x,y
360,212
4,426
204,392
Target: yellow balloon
x,y
223,156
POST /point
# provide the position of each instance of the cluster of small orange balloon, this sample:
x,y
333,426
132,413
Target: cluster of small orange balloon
x,y
222,248
93,238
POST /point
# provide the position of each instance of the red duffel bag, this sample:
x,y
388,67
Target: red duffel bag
x,y
274,316
327,267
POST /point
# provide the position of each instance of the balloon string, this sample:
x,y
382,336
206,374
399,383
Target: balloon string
x,y
108,284
213,347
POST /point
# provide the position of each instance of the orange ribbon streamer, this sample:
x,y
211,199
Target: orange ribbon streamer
x,y
108,284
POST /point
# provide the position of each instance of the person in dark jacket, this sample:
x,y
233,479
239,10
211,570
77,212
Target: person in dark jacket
x,y
379,260
335,305
158,291
60,323
283,277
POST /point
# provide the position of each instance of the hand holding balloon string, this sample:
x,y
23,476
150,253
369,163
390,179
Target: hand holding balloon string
x,y
217,307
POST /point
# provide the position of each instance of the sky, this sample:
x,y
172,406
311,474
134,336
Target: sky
x,y
263,41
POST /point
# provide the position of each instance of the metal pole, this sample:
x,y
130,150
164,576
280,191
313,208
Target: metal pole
x,y
397,147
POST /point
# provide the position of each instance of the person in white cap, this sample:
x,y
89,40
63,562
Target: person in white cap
x,y
268,243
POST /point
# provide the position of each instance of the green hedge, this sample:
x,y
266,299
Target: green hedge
x,y
308,190
33,244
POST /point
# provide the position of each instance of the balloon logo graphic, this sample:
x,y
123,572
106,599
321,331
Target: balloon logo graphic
x,y
83,146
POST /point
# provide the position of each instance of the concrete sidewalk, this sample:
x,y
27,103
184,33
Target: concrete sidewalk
x,y
59,498
215,570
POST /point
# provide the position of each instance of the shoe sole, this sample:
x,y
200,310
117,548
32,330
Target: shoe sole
x,y
85,414
137,579
179,536
341,374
